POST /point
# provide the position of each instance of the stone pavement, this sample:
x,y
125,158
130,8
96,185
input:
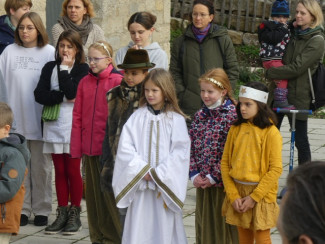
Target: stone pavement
x,y
31,234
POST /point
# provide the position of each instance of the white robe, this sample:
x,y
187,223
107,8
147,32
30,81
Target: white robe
x,y
160,145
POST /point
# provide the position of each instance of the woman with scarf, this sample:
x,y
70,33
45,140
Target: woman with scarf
x,y
202,47
76,15
304,50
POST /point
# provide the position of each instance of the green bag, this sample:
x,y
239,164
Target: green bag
x,y
51,113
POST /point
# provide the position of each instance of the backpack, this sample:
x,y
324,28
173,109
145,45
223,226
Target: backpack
x,y
317,86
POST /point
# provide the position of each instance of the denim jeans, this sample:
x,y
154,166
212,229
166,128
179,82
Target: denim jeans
x,y
301,138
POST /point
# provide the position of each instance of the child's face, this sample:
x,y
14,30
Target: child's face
x,y
97,61
248,108
4,131
66,50
210,94
140,35
281,19
16,14
134,76
28,33
154,95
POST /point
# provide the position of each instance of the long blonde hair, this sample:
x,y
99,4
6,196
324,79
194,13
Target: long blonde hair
x,y
220,76
164,80
315,10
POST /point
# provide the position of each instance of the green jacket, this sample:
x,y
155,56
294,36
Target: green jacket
x,y
190,59
302,52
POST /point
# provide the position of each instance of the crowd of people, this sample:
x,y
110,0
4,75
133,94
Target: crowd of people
x,y
141,126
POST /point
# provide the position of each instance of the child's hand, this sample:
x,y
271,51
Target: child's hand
x,y
206,183
136,47
237,204
147,177
198,181
247,203
67,60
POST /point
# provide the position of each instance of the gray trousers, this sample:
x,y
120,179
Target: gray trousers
x,y
38,182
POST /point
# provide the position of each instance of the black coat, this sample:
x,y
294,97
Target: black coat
x,y
68,83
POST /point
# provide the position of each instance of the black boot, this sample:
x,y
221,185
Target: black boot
x,y
280,99
60,222
74,224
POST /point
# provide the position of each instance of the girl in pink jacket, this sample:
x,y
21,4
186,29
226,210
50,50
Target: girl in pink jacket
x,y
90,114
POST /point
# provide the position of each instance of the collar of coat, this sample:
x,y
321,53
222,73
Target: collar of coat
x,y
205,112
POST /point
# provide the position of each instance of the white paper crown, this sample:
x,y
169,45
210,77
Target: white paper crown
x,y
252,93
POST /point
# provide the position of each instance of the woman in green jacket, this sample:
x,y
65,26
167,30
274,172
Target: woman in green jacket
x,y
305,50
203,46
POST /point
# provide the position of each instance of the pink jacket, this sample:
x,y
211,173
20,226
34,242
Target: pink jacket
x,y
90,112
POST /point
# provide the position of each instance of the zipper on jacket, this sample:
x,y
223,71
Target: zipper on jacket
x,y
201,60
92,124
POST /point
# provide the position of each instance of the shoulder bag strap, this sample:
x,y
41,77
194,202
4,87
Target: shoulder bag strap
x,y
311,86
310,78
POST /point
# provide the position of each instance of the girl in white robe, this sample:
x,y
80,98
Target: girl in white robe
x,y
152,163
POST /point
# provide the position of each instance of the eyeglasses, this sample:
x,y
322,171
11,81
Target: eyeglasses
x,y
94,60
28,28
195,15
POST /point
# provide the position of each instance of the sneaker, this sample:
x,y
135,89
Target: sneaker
x,y
23,220
60,221
74,224
40,220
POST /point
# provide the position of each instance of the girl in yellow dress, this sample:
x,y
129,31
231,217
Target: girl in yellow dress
x,y
251,166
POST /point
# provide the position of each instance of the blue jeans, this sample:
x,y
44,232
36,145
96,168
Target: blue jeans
x,y
301,138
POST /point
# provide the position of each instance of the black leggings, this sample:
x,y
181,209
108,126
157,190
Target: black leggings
x,y
301,138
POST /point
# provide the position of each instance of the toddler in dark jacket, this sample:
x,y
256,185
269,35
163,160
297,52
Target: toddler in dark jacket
x,y
273,36
14,156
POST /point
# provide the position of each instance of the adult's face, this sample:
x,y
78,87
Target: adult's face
x,y
27,33
140,35
76,11
201,17
303,18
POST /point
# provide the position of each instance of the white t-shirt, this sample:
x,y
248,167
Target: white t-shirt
x,y
21,68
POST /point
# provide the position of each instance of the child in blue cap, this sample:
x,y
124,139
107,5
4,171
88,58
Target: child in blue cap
x,y
273,36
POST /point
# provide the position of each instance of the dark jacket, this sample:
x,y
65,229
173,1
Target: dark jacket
x,y
273,37
122,102
90,112
14,156
68,83
302,52
7,35
190,59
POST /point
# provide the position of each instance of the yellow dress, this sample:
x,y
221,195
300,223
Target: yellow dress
x,y
252,155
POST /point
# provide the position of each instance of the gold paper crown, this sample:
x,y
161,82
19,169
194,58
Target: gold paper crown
x,y
218,83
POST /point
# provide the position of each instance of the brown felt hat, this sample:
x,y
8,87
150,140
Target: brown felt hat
x,y
136,59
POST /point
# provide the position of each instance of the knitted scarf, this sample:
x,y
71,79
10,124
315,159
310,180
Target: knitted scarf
x,y
200,34
84,28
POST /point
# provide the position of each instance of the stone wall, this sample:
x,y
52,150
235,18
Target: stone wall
x,y
113,15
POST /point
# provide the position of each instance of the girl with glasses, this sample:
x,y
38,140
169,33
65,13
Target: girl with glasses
x,y
90,114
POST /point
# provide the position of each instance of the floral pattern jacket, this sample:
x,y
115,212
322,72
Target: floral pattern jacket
x,y
208,134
